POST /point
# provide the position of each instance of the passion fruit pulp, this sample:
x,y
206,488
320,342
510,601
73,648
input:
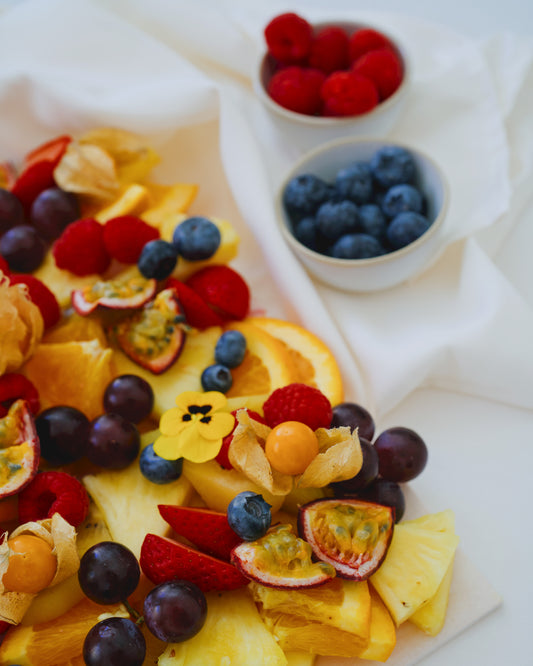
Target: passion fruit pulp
x,y
153,337
19,449
280,559
131,292
351,535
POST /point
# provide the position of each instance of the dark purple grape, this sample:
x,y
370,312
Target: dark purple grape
x,y
63,434
116,641
130,396
52,211
108,573
354,416
175,611
114,442
22,248
388,493
364,477
402,454
11,211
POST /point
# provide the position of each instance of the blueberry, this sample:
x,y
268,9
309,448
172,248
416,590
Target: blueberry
x,y
304,194
401,198
372,221
158,259
406,228
392,165
335,219
230,349
249,515
357,246
306,232
196,238
355,182
216,377
157,469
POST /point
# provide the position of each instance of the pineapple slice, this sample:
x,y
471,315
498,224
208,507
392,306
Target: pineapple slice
x,y
431,616
299,658
416,564
232,634
382,632
128,501
340,603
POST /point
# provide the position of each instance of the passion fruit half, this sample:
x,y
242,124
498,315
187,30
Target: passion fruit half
x,y
350,535
280,559
153,337
19,449
127,293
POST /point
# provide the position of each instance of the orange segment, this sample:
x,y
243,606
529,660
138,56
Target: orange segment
x,y
311,360
71,373
76,329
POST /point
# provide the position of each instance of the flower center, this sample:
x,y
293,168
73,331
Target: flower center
x,y
198,413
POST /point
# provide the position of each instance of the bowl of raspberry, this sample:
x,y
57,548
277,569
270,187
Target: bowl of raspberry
x,y
322,81
364,215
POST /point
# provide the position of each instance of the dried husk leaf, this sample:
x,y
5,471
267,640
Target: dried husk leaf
x,y
88,169
21,325
339,457
61,536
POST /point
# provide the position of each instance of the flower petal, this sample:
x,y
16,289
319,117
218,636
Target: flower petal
x,y
172,423
167,447
187,398
216,399
219,426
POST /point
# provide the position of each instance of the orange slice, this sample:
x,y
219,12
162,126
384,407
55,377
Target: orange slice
x,y
71,373
312,361
76,329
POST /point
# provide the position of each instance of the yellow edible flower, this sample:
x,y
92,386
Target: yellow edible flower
x,y
193,429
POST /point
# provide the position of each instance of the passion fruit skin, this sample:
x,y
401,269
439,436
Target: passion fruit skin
x,y
351,535
20,449
83,303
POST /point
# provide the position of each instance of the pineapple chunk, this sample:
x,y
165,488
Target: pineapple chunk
x,y
299,658
415,566
382,632
128,501
233,634
340,603
431,616
168,202
132,201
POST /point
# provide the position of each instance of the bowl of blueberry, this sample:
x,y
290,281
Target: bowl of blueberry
x,y
325,80
364,214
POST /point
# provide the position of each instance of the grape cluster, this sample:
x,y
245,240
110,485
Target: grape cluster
x,y
397,455
173,611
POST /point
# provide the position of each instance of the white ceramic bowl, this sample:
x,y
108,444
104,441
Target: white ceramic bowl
x,y
384,271
305,132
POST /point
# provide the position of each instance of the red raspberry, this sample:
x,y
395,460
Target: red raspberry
x,y
125,237
197,311
222,457
348,94
80,249
364,40
14,386
298,402
383,67
3,266
54,492
297,89
223,289
42,296
288,37
329,50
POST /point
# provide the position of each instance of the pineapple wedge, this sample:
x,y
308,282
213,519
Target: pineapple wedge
x,y
232,634
299,658
128,501
382,632
416,564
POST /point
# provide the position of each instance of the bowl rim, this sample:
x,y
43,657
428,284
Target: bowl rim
x,y
435,226
328,121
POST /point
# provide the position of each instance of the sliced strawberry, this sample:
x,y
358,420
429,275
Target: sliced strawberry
x,y
197,311
223,289
163,559
208,530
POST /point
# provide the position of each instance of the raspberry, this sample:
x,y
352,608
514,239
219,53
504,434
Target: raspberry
x,y
348,94
14,386
197,311
297,89
223,289
383,67
54,492
329,50
364,40
125,237
298,402
288,37
80,249
42,296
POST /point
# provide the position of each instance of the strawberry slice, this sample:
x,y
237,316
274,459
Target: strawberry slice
x,y
197,312
163,559
208,530
223,289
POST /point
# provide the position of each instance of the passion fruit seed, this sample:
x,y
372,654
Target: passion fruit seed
x,y
290,447
32,564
